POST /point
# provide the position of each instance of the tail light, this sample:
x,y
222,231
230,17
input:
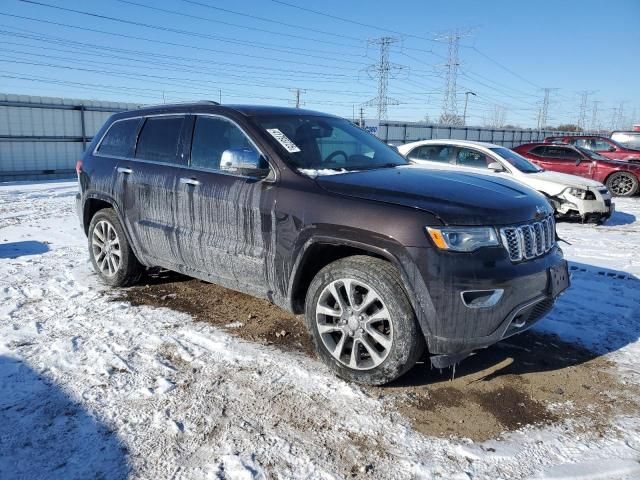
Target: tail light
x,y
78,166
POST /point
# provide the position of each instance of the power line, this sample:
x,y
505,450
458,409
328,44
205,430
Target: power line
x,y
246,27
270,20
164,42
277,48
354,22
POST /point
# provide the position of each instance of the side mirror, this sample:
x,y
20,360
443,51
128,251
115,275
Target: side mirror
x,y
612,149
243,161
495,167
578,162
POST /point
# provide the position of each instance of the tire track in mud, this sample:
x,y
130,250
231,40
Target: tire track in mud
x,y
530,379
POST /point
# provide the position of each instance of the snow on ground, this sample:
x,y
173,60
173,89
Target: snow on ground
x,y
94,388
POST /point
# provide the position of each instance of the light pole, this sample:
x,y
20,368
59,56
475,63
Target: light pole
x,y
466,100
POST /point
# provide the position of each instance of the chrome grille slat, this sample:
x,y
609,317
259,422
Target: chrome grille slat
x,y
531,240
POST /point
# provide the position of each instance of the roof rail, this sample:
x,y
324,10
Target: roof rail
x,y
177,104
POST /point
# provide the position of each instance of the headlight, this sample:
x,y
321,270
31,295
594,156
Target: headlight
x,y
463,239
581,193
577,192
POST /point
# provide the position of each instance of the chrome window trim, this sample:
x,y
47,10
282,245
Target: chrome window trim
x,y
268,178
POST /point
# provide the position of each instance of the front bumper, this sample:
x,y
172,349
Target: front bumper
x,y
600,206
453,328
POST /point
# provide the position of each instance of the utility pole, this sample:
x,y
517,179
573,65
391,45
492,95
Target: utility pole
x,y
543,115
582,116
296,95
614,119
450,101
594,116
361,117
620,120
381,71
466,101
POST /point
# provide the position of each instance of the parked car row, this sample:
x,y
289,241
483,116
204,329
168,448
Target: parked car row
x,y
385,259
571,196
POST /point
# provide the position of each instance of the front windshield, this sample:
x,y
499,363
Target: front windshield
x,y
327,143
592,154
516,160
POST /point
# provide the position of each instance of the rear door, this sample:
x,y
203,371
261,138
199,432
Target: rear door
x,y
225,222
437,156
149,183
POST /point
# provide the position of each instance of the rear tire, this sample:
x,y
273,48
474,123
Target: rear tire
x,y
370,335
622,184
111,255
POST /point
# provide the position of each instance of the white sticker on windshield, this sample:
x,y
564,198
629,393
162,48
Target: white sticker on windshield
x,y
283,140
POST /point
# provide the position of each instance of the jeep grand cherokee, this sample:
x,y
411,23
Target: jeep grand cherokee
x,y
309,211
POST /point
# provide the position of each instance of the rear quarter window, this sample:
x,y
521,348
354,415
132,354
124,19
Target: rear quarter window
x,y
120,139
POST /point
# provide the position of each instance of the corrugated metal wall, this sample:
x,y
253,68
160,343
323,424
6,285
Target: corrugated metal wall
x,y
397,133
42,137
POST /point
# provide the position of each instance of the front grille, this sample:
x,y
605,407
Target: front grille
x,y
524,242
529,316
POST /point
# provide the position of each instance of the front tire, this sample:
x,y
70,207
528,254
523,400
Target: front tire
x,y
111,255
361,321
622,184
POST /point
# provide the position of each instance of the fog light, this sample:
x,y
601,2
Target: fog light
x,y
481,298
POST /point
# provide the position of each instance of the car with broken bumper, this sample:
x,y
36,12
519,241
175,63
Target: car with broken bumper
x,y
387,261
571,196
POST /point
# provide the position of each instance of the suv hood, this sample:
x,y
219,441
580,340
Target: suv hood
x,y
457,198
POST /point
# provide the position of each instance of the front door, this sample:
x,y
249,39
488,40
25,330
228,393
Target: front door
x,y
225,217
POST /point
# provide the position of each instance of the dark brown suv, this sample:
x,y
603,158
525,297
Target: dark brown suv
x,y
311,212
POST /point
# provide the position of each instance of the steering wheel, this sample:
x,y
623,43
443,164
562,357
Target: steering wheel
x,y
335,154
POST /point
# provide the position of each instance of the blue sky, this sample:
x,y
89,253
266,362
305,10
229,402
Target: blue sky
x,y
258,51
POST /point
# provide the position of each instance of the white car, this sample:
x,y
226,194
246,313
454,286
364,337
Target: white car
x,y
570,195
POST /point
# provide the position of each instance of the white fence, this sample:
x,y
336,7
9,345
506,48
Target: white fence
x,y
397,133
43,137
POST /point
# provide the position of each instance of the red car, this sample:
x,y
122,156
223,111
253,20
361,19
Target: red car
x,y
620,177
603,145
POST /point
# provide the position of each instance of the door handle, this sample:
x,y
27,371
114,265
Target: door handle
x,y
124,170
189,181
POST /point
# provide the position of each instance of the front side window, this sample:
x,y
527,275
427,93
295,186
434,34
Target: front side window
x,y
318,143
591,154
472,158
433,153
120,138
217,141
159,138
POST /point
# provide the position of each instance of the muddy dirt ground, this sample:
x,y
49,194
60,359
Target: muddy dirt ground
x,y
528,379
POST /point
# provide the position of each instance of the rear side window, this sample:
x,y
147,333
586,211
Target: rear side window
x,y
158,141
540,151
434,153
120,138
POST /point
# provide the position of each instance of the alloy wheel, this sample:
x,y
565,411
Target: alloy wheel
x,y
354,324
622,185
105,246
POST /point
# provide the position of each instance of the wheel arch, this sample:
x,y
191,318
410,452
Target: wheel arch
x,y
93,203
